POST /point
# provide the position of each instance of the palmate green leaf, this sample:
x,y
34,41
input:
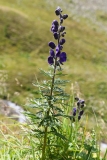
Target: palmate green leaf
x,y
39,103
58,109
59,98
60,73
30,115
63,115
45,91
38,131
60,135
45,121
39,85
58,89
61,94
41,123
58,81
47,82
47,73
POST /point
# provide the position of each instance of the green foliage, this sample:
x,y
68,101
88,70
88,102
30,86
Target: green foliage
x,y
19,57
52,117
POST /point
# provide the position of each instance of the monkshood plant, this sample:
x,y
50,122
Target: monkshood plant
x,y
56,123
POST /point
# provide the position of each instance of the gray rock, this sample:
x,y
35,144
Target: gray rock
x,y
12,110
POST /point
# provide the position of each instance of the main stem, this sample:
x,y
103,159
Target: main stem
x,y
49,102
46,128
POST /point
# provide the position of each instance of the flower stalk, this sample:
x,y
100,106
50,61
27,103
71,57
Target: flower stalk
x,y
55,59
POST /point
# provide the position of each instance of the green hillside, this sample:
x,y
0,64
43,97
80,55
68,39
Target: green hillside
x,y
24,35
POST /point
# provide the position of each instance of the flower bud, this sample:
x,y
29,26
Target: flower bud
x,y
50,60
55,22
54,28
61,28
74,111
61,20
81,112
79,117
52,45
52,53
57,12
55,35
62,41
65,16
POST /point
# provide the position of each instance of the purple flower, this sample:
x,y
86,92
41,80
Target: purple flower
x,y
50,60
62,41
55,22
65,16
52,53
55,35
74,111
79,117
58,51
52,45
81,112
58,11
54,28
80,103
63,57
61,20
61,28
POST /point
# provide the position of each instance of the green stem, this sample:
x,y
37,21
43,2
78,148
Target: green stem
x,y
46,128
44,144
49,102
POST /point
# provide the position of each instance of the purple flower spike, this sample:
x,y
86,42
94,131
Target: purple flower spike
x,y
52,45
50,60
52,53
62,41
63,57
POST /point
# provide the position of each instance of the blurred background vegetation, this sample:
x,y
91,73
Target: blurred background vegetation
x,y
24,35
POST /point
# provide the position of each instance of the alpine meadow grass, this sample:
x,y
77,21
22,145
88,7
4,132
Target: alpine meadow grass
x,y
56,123
55,128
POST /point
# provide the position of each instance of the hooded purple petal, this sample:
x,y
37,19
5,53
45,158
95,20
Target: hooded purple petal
x,y
62,41
52,45
55,35
65,16
50,60
58,51
54,28
63,57
52,53
55,22
74,111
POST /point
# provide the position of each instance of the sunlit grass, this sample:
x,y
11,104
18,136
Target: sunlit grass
x,y
24,35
